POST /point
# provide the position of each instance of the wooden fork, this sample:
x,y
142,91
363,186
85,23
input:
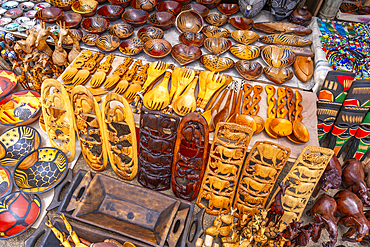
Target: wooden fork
x,y
158,98
214,82
186,103
186,76
121,87
202,85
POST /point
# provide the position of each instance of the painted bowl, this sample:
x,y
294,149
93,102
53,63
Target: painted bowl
x,y
245,52
22,19
279,57
8,82
13,13
41,170
26,6
210,4
42,6
131,47
123,3
217,46
107,43
249,70
20,108
2,11
6,182
63,4
86,9
19,212
201,9
192,39
135,17
228,8
157,48
5,21
215,32
216,63
90,39
121,30
18,142
170,6
245,37
12,27
26,25
111,12
184,54
242,23
147,5
162,20
189,21
348,7
49,15
71,19
183,2
217,19
95,24
278,75
147,33
31,13
10,5
69,41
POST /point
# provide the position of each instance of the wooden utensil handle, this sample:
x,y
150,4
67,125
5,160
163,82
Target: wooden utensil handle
x,y
281,111
290,103
217,105
255,108
247,98
271,101
298,106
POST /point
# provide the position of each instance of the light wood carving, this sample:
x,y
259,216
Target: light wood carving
x,y
102,71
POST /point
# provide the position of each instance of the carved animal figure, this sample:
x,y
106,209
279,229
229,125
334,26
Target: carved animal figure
x,y
269,152
158,145
314,158
217,201
40,42
293,203
276,210
290,232
237,137
236,153
218,184
331,178
350,209
353,179
162,159
302,188
223,168
304,235
263,172
255,187
192,134
306,174
158,124
245,210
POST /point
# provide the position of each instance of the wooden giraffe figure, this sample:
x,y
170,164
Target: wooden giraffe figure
x,y
276,210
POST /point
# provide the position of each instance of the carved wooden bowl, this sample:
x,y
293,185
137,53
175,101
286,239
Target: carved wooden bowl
x,y
107,43
162,20
121,30
279,57
183,2
192,39
68,40
19,212
95,24
157,48
170,6
210,4
90,39
8,82
6,184
50,14
245,37
217,46
217,19
111,12
278,75
135,17
201,9
245,52
184,54
20,108
123,3
228,8
348,7
13,13
147,5
63,4
249,70
147,33
40,170
216,32
189,21
242,23
131,47
71,19
86,9
216,63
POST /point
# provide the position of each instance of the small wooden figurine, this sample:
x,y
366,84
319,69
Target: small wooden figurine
x,y
332,177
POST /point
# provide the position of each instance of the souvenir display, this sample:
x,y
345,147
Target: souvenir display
x,y
113,79
72,19
6,182
281,9
170,6
216,19
50,14
192,39
281,27
135,17
251,8
87,69
301,16
86,8
121,30
285,39
360,146
201,9
184,54
189,21
111,12
13,13
131,47
303,68
147,33
217,46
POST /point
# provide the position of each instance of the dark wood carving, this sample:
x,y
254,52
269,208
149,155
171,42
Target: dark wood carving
x,y
157,143
190,156
276,210
332,177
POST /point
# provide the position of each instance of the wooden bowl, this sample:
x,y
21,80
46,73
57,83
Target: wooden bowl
x,y
72,19
111,12
6,184
228,8
135,17
121,30
278,75
216,32
217,19
170,6
147,33
162,20
278,57
147,5
210,4
18,142
20,108
123,3
245,52
245,37
249,70
242,23
86,9
216,63
107,43
183,2
184,54
90,39
157,48
217,46
201,9
189,21
95,24
68,40
63,4
131,47
8,82
19,212
13,13
40,170
192,39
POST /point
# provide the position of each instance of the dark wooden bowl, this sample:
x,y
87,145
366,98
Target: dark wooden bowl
x,y
121,30
189,21
201,9
215,32
131,47
163,20
49,15
209,3
217,46
184,2
95,24
217,19
147,5
249,70
279,57
278,75
192,39
68,40
86,9
63,4
157,48
135,17
72,19
123,3
90,39
184,54
107,43
147,33
170,6
242,23
228,8
111,12
216,63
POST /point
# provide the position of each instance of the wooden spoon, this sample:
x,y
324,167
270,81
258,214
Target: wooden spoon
x,y
270,90
202,85
260,122
300,133
186,103
158,98
281,126
214,82
235,112
208,113
244,118
222,115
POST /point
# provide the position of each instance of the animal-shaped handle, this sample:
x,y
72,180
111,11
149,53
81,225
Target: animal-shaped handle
x,y
270,90
281,111
247,98
290,103
255,108
298,106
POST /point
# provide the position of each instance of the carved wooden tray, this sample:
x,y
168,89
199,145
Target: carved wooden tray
x,y
135,212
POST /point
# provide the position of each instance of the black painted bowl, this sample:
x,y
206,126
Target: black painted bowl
x,y
107,43
147,33
95,24
111,12
121,30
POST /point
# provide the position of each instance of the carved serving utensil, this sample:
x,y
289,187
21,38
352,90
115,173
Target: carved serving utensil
x,y
281,126
244,118
117,73
84,74
222,115
209,112
202,85
129,75
300,133
270,90
97,91
102,71
186,102
185,77
158,98
235,112
214,82
77,64
141,76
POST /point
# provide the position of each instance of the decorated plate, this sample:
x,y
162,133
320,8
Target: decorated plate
x,y
42,6
12,27
26,6
6,181
9,5
8,81
21,20
2,11
31,13
5,21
